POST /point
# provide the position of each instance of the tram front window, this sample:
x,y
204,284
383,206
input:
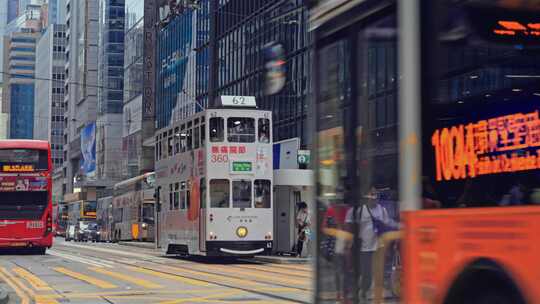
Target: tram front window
x,y
241,129
242,194
219,193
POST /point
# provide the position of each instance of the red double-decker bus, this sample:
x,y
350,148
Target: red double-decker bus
x,y
25,195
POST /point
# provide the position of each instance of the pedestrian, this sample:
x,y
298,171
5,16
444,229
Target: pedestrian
x,y
367,215
303,221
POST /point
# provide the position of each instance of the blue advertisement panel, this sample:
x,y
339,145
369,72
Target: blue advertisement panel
x,y
88,149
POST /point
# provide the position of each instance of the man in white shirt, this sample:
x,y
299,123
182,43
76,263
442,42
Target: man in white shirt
x,y
368,237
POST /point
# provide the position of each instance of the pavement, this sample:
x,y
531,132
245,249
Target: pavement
x,y
101,273
4,296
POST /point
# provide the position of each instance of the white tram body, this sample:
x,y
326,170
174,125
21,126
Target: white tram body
x,y
214,176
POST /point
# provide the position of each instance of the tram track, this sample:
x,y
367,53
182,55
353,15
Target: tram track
x,y
221,276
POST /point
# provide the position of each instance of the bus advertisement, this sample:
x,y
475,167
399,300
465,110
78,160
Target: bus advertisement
x,y
25,195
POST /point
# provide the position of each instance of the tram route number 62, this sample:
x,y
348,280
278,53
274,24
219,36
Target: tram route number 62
x,y
238,101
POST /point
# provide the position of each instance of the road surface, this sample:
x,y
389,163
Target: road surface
x,y
111,273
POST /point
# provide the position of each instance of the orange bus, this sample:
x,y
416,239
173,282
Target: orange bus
x,y
26,219
427,130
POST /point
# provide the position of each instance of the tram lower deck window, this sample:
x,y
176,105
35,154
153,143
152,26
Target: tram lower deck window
x,y
219,193
242,194
241,129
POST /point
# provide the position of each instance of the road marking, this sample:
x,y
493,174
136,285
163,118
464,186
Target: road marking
x,y
34,281
88,279
265,276
130,279
304,274
220,279
203,298
119,252
6,277
83,260
170,276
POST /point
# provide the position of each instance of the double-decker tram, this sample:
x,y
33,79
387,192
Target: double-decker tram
x,y
133,209
429,108
26,215
214,181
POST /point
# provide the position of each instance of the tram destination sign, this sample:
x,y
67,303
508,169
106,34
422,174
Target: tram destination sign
x,y
241,167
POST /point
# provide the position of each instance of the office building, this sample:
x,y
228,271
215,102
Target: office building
x,y
49,101
111,91
138,158
82,17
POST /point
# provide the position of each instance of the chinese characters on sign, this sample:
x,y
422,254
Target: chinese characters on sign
x,y
17,168
502,144
513,28
220,154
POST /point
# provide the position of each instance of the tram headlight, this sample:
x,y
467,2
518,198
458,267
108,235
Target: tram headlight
x,y
241,232
144,225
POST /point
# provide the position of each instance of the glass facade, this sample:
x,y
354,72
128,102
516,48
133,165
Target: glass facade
x,y
182,79
244,28
22,111
111,75
357,152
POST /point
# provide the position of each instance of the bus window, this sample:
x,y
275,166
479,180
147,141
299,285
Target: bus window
x,y
242,194
176,140
219,193
183,195
202,193
241,129
262,193
203,134
216,129
23,205
176,196
264,130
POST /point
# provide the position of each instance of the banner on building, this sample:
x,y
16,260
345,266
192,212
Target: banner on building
x,y
88,149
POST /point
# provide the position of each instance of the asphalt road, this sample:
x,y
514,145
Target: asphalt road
x,y
111,273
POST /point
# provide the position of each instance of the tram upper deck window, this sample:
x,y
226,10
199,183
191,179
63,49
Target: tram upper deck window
x,y
216,129
196,135
481,123
262,193
241,194
241,129
219,193
203,134
176,140
264,130
183,136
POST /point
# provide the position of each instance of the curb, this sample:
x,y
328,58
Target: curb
x,y
4,296
279,260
